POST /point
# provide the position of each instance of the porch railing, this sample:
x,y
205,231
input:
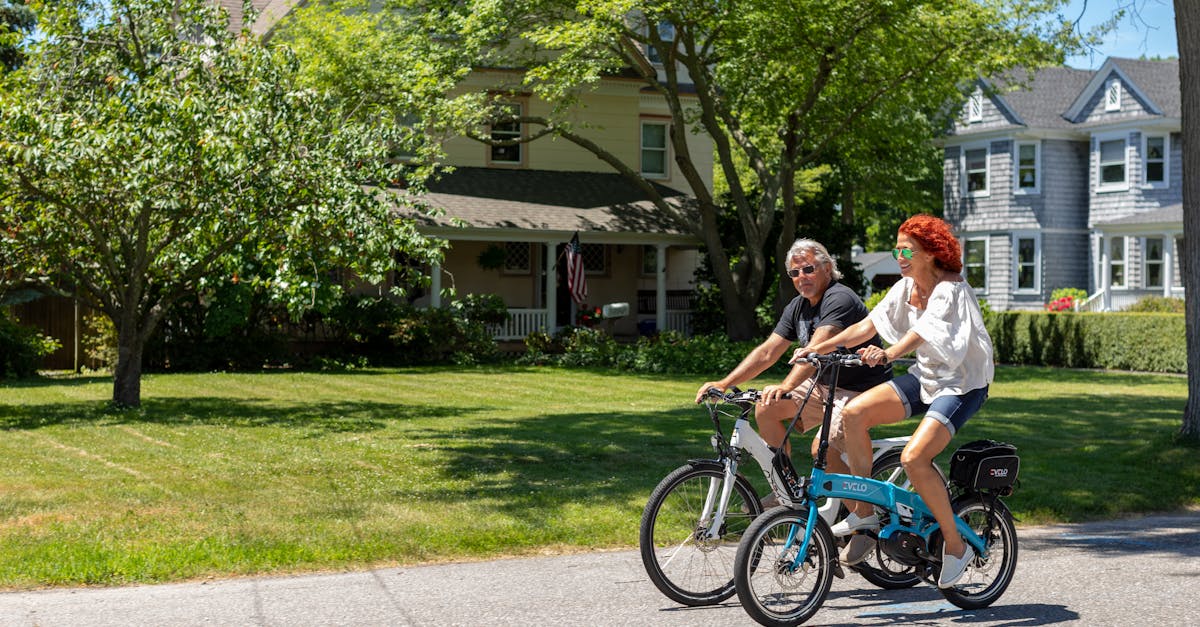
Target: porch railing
x,y
1120,300
520,323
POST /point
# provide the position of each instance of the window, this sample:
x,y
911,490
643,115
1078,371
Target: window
x,y
1028,157
1027,268
506,131
975,106
1116,262
666,32
975,263
1112,164
1154,160
649,260
975,166
654,149
1112,95
517,257
1152,261
595,258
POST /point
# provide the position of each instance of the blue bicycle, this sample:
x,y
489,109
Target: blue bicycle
x,y
787,557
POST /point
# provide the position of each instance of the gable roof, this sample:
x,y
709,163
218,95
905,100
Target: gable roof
x,y
1137,76
1040,100
550,201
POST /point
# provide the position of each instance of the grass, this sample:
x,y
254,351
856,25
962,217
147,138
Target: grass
x,y
228,474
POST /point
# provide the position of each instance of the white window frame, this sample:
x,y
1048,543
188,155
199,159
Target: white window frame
x,y
975,106
1124,262
1037,167
987,243
987,170
666,32
666,149
1161,262
1112,95
1017,236
1166,160
518,134
1101,186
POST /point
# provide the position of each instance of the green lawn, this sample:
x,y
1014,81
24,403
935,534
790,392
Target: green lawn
x,y
222,474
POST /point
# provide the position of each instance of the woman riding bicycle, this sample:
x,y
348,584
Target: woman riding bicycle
x,y
934,312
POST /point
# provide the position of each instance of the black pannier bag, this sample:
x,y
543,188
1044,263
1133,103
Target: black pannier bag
x,y
985,465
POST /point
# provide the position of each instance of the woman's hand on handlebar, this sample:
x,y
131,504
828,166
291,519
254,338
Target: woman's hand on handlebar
x,y
772,393
801,355
873,355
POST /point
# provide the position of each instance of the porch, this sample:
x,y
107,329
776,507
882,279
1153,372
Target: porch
x,y
1109,299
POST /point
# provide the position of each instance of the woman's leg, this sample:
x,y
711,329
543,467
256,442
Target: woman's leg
x,y
929,440
877,406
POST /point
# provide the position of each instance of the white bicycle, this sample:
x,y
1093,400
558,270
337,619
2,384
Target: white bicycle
x,y
695,517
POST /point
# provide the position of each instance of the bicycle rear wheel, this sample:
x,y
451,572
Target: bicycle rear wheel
x,y
682,562
986,578
775,584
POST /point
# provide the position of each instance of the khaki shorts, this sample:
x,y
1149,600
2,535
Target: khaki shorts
x,y
814,411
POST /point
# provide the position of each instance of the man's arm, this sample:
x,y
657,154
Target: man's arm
x,y
800,372
751,366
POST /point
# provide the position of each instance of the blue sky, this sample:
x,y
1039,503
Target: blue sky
x,y
1151,33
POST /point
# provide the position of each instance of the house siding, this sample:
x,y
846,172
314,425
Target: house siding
x,y
1109,205
1131,106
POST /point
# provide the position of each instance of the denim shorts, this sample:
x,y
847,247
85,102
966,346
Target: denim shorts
x,y
951,410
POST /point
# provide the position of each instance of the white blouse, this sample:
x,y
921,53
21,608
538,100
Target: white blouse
x,y
956,356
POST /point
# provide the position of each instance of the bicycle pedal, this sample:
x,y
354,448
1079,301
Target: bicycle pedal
x,y
837,570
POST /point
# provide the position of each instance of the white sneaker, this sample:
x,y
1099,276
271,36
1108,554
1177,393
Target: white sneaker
x,y
854,523
857,550
954,567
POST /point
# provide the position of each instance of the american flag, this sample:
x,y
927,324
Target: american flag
x,y
576,278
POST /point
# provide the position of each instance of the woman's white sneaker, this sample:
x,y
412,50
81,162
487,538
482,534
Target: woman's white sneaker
x,y
954,567
854,523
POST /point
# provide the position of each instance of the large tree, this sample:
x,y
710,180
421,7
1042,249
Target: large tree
x,y
147,153
1187,28
777,84
16,23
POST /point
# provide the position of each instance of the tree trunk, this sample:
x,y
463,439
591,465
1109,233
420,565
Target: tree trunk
x,y
1187,28
127,373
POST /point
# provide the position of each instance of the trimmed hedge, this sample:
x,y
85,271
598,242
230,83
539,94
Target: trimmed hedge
x,y
1119,341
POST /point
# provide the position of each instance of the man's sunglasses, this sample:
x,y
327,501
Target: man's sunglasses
x,y
795,272
897,253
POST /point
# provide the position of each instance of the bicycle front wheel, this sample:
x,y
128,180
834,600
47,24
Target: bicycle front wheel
x,y
682,561
777,585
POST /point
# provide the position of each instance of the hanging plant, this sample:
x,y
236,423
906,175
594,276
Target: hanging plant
x,y
492,257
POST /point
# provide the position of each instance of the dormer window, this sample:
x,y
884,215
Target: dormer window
x,y
1112,95
666,32
975,106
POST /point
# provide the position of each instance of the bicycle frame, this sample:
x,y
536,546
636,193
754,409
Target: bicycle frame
x,y
745,438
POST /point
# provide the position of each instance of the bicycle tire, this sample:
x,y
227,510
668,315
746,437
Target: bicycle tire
x,y
686,570
770,592
985,579
878,568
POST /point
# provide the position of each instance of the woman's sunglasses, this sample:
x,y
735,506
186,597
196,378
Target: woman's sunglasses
x,y
795,272
897,253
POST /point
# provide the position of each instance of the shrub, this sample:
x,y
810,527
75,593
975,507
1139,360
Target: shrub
x,y
1121,341
1065,299
1158,304
22,348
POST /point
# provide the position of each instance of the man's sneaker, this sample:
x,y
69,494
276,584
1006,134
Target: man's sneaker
x,y
954,567
857,550
854,523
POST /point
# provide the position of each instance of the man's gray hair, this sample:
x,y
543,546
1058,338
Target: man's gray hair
x,y
819,252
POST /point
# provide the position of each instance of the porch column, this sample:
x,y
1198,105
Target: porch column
x,y
435,286
1104,273
660,287
1168,265
551,289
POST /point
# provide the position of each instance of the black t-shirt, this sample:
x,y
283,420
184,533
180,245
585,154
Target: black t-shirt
x,y
840,308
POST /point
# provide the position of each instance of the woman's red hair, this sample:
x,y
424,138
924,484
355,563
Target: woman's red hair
x,y
935,236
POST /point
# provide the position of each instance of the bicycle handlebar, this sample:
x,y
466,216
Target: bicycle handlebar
x,y
738,396
843,359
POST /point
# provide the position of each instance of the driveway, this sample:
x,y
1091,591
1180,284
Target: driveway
x,y
1127,572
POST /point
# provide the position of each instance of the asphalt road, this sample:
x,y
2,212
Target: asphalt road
x,y
1128,572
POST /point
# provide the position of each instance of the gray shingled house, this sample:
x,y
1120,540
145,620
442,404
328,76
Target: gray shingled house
x,y
1069,178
